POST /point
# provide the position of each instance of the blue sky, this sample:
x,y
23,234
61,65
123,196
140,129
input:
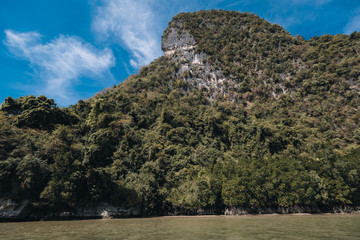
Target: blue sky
x,y
71,49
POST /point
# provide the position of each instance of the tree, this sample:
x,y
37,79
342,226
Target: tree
x,y
36,112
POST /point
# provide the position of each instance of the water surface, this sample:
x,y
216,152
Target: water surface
x,y
211,227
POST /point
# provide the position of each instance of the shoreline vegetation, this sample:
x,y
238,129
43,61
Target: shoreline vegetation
x,y
13,212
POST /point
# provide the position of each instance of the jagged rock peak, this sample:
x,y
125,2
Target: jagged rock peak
x,y
186,30
175,39
227,53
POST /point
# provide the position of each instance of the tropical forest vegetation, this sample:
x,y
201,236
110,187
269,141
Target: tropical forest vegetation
x,y
285,133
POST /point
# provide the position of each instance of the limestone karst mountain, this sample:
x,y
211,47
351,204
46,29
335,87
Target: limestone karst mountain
x,y
238,114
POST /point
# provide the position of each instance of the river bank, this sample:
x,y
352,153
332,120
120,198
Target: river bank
x,y
17,211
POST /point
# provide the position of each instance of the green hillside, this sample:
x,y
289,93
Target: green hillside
x,y
237,113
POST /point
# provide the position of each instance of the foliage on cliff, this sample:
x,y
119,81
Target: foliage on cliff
x,y
289,139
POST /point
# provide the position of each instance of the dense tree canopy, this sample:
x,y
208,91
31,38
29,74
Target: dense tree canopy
x,y
291,138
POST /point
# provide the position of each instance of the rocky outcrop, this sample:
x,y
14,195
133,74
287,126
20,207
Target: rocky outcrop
x,y
11,210
194,67
105,210
94,211
289,210
174,39
23,211
346,209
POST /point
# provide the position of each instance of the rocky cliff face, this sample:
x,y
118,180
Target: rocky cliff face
x,y
232,63
11,210
173,40
194,68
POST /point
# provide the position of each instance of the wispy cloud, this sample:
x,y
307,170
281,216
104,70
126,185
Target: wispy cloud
x,y
60,63
354,24
132,24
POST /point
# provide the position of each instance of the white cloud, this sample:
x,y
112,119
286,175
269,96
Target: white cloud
x,y
131,23
353,25
60,62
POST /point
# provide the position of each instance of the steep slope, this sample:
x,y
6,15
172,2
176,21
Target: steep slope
x,y
236,114
229,53
244,59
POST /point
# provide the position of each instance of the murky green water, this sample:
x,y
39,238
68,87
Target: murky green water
x,y
213,227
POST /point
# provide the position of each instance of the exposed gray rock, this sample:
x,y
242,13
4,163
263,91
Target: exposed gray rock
x,y
289,210
21,211
346,209
105,210
194,67
10,209
174,39
280,210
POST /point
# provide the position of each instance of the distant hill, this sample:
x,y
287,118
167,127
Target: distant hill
x,y
237,115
